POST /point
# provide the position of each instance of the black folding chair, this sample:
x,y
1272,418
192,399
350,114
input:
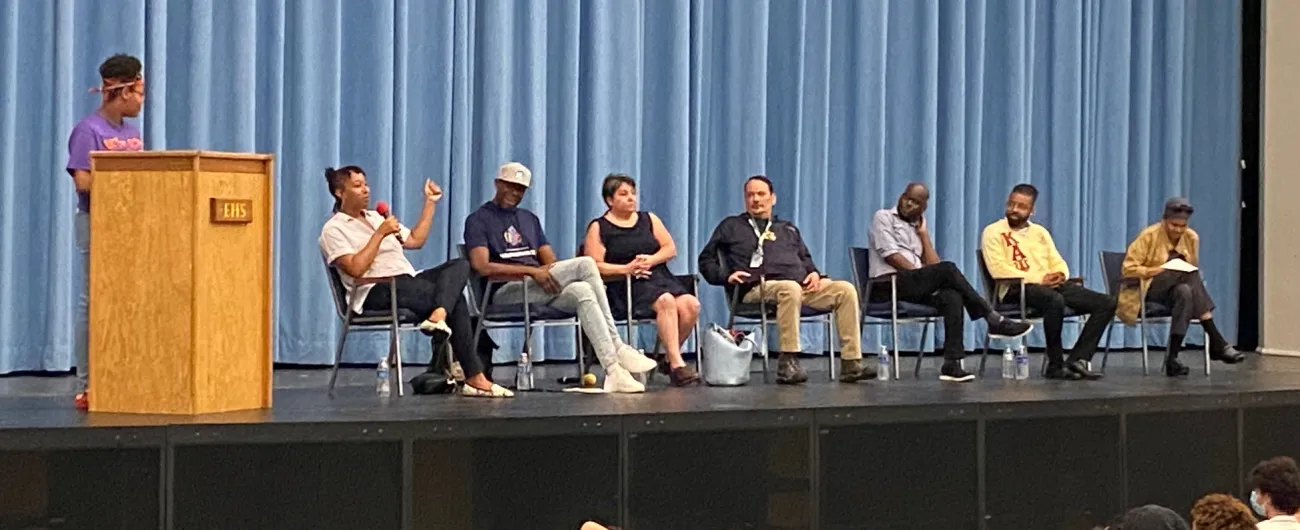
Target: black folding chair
x,y
646,315
761,314
1112,266
891,313
394,320
1014,310
524,315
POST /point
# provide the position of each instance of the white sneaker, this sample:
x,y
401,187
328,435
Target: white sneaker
x,y
617,379
635,361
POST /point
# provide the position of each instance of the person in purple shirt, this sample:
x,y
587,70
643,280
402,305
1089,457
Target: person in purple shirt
x,y
106,129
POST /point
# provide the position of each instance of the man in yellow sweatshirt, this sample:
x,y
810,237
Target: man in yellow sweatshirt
x,y
1014,247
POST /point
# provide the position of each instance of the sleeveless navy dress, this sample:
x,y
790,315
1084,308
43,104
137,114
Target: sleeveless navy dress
x,y
622,245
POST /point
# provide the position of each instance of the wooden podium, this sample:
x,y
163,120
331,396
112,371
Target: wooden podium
x,y
180,282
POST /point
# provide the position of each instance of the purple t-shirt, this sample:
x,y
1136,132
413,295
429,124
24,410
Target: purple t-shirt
x,y
94,133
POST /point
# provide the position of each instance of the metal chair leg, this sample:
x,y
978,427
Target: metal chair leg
x,y
763,345
920,351
762,306
1206,340
397,362
830,344
699,352
338,352
582,354
984,357
1142,328
1110,332
396,342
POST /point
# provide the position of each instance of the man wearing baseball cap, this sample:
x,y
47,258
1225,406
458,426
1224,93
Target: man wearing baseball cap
x,y
506,242
1153,258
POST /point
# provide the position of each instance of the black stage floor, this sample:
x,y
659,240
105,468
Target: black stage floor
x,y
881,454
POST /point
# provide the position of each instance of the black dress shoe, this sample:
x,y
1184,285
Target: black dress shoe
x,y
1228,355
1060,372
1173,368
1080,368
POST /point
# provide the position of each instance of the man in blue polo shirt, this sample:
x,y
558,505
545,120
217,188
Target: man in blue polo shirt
x,y
506,242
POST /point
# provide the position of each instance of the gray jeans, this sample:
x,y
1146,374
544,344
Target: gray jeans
x,y
581,291
81,288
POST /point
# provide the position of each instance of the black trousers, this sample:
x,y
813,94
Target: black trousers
x,y
943,287
442,286
1184,293
1050,303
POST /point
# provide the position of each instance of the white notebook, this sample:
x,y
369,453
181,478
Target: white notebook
x,y
1179,265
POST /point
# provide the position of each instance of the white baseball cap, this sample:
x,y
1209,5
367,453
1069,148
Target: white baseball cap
x,y
516,173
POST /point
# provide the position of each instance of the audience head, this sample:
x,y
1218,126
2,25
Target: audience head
x,y
1217,511
1177,213
512,182
913,202
619,192
1149,517
1275,487
1020,204
122,84
348,186
760,196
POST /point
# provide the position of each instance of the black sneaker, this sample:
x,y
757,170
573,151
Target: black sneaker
x,y
852,371
1058,371
952,371
1009,329
788,371
1080,368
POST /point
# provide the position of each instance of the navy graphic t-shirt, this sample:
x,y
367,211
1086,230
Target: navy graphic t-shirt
x,y
511,235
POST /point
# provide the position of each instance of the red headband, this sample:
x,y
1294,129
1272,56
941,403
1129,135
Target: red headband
x,y
102,89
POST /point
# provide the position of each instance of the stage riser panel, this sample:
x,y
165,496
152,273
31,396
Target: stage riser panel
x,y
983,467
1049,473
288,486
1176,457
887,476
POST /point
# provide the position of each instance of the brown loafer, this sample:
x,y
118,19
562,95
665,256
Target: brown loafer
x,y
684,376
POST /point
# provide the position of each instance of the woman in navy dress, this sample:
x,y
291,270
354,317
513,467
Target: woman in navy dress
x,y
627,242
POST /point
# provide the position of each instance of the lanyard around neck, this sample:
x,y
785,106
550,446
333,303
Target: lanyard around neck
x,y
767,228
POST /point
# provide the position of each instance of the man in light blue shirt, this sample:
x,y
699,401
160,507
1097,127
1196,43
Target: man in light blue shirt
x,y
900,244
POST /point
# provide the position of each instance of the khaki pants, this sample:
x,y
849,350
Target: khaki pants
x,y
790,297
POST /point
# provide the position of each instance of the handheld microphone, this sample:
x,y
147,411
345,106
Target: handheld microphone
x,y
382,209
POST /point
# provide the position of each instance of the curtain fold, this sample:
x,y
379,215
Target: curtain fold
x,y
1107,107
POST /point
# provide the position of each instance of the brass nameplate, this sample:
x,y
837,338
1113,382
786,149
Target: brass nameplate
x,y
232,211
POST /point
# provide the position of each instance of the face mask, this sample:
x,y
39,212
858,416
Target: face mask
x,y
1254,503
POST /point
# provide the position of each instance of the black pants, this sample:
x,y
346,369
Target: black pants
x,y
1050,303
1184,293
442,286
943,287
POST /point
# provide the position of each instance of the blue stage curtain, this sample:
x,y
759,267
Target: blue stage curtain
x,y
1108,107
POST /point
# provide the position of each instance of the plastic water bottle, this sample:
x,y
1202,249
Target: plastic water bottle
x,y
382,386
1008,364
524,373
1022,363
885,365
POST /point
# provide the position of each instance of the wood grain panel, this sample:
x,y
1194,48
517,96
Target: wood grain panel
x,y
232,275
180,306
141,282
